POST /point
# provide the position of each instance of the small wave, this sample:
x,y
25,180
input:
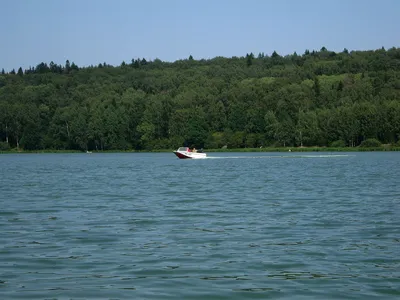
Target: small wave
x,y
8,213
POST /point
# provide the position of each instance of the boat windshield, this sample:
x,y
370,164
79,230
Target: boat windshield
x,y
183,149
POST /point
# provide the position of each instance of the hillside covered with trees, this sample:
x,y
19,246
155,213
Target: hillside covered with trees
x,y
319,98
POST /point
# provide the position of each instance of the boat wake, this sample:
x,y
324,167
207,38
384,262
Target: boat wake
x,y
278,156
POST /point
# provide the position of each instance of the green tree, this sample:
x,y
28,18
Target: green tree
x,y
67,67
249,59
271,127
20,72
285,132
6,117
317,87
216,117
307,130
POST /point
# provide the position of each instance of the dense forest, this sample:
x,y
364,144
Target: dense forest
x,y
319,98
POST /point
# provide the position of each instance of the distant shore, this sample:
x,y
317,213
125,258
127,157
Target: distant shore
x,y
266,149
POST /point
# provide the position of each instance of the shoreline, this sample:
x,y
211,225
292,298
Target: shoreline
x,y
267,149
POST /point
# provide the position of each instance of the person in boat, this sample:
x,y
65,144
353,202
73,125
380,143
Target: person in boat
x,y
194,150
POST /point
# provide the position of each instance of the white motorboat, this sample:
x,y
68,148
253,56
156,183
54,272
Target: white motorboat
x,y
185,152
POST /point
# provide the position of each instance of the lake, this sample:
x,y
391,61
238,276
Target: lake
x,y
232,226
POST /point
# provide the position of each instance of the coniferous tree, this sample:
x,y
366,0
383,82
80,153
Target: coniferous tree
x,y
67,67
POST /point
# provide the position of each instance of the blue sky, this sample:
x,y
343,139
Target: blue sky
x,y
93,31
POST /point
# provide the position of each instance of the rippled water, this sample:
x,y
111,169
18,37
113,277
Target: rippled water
x,y
232,226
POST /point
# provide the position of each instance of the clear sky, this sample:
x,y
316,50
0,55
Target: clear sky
x,y
93,31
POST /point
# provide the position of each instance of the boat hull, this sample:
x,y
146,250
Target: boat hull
x,y
189,155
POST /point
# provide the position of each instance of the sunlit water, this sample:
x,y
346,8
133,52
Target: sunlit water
x,y
232,226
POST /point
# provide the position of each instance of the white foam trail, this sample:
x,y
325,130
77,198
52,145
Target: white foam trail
x,y
279,156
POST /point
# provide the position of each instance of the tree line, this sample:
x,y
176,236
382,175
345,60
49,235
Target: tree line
x,y
318,98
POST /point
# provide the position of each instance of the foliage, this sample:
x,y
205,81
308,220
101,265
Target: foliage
x,y
320,98
338,144
370,143
4,146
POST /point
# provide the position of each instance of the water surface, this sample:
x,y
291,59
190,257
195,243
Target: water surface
x,y
232,226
